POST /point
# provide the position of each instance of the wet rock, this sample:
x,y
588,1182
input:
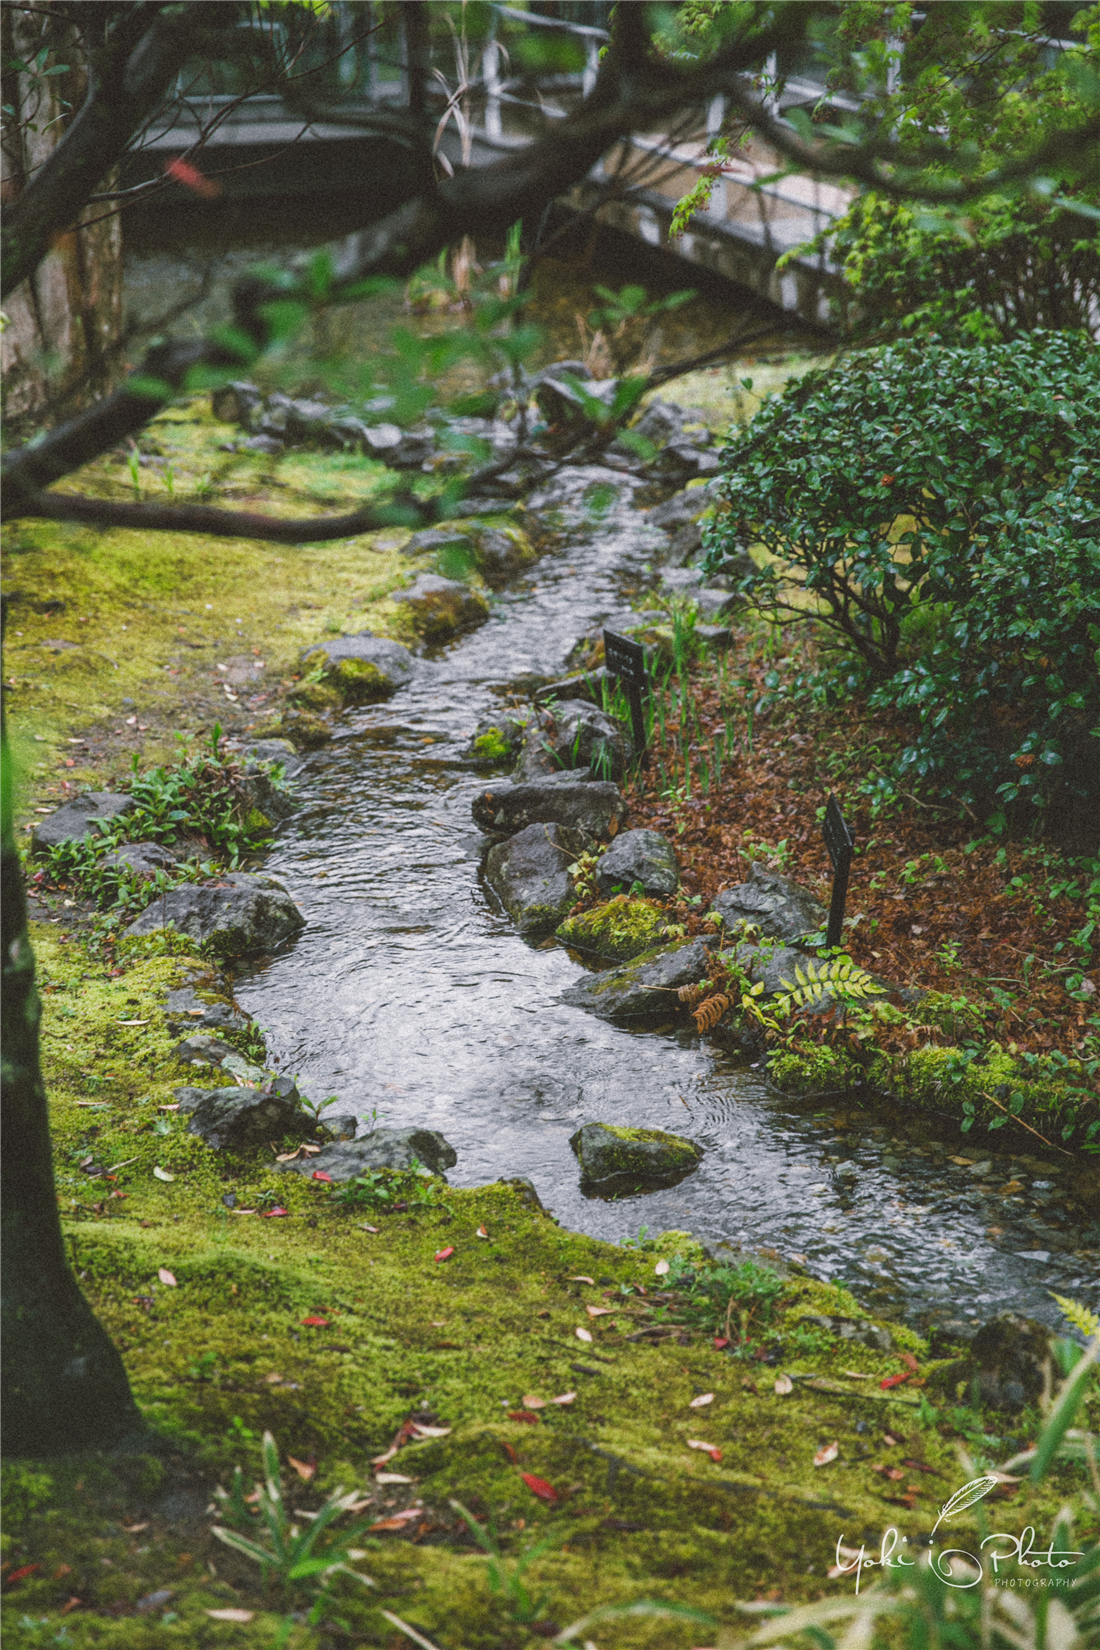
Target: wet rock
x,y
772,966
187,1009
712,604
238,916
618,930
610,1156
587,686
593,809
75,820
144,860
268,801
271,752
363,668
1009,1357
685,544
681,510
302,728
560,403
530,875
860,1330
202,1050
442,608
237,403
269,444
714,635
644,988
780,908
662,422
415,448
500,553
430,540
341,1128
524,1190
573,733
398,1149
244,1116
584,489
681,461
497,738
643,857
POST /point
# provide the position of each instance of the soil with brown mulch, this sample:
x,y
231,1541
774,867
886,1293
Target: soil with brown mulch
x,y
931,901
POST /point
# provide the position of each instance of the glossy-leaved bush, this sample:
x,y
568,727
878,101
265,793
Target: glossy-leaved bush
x,y
935,512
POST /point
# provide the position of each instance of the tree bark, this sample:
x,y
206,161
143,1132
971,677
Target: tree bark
x,y
64,1388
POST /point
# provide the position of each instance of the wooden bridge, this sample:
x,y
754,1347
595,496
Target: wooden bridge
x,y
272,168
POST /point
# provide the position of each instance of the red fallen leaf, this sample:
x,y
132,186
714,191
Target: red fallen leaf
x,y
73,1602
720,1341
304,1469
538,1486
886,481
191,178
444,1254
509,1451
28,1569
398,1521
269,1214
524,1415
316,1323
319,1174
893,1380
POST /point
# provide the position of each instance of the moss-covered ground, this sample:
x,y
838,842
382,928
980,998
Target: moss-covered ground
x,y
211,1308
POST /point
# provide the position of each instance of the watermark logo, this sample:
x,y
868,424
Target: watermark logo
x,y
955,1566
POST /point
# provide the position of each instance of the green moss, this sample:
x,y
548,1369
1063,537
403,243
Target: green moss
x,y
493,746
813,1069
619,930
678,1153
989,1089
318,696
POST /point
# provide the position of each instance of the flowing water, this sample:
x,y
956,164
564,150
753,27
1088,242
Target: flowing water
x,y
410,996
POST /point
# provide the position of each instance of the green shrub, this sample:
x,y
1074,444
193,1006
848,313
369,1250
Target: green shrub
x,y
935,512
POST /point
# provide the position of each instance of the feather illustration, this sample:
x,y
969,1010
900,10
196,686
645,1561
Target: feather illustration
x,y
966,1497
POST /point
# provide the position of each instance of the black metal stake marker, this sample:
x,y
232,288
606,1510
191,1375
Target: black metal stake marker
x,y
626,660
840,843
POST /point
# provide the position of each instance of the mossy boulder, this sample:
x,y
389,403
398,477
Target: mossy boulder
x,y
75,820
500,553
244,1117
239,916
497,738
611,1157
640,857
643,989
440,608
594,809
317,696
530,876
362,668
303,729
620,929
394,1149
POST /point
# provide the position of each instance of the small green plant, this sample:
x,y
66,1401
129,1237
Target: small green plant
x,y
506,1575
737,1302
301,1561
386,1189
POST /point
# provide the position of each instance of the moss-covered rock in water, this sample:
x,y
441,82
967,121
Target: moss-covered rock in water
x,y
644,988
497,738
950,1079
440,608
501,553
620,929
814,1069
362,668
612,1158
305,730
319,696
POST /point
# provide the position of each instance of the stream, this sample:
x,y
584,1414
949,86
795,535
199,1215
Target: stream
x,y
412,998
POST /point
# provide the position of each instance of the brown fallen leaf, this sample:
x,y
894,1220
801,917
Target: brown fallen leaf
x,y
131,1529
583,1334
273,1379
393,1478
580,1278
662,1268
418,1431
481,1232
599,1311
363,1227
380,1460
856,1375
530,1402
827,1453
399,1520
703,1398
304,1469
166,1278
564,1398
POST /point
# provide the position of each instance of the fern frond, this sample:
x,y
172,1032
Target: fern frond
x,y
819,979
1081,1317
691,994
708,1014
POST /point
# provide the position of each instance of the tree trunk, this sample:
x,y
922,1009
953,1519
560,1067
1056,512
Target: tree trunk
x,y
61,324
63,1385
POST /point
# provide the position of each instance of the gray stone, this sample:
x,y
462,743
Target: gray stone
x,y
681,509
186,1009
529,874
76,820
244,1116
236,403
610,1156
442,608
639,856
524,1190
588,686
662,422
573,733
497,738
500,555
202,1050
713,605
644,988
341,1128
269,444
363,667
237,916
383,438
561,405
780,908
681,461
860,1330
399,1149
270,752
593,809
432,539
714,635
274,802
773,966
143,860
685,544
1008,1357
583,490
